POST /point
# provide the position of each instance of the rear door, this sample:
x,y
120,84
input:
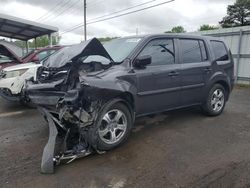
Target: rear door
x,y
194,64
158,84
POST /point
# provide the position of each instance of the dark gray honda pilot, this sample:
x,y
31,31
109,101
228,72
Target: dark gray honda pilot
x,y
90,94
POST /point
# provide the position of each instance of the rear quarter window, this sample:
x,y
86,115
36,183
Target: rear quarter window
x,y
220,51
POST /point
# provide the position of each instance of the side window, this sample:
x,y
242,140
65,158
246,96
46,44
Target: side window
x,y
220,51
161,51
192,51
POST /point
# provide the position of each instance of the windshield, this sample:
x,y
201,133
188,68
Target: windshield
x,y
95,58
120,48
93,51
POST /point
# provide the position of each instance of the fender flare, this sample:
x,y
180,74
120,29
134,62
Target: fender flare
x,y
219,78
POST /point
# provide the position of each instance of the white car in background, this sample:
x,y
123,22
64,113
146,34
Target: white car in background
x,y
12,80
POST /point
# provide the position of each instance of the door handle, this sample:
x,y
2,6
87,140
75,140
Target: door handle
x,y
207,69
173,73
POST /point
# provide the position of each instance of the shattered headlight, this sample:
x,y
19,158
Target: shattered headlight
x,y
15,73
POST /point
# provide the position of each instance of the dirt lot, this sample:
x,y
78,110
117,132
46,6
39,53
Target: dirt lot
x,y
175,149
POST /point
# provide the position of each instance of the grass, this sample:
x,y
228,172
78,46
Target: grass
x,y
242,86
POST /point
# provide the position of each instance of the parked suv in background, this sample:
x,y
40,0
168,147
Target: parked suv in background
x,y
91,93
13,77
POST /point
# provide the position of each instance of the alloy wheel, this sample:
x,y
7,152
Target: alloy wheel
x,y
217,100
113,126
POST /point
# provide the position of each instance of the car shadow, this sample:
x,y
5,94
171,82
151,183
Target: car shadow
x,y
167,118
8,106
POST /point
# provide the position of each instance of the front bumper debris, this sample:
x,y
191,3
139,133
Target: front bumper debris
x,y
57,150
47,165
69,104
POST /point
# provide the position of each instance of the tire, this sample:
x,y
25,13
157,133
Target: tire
x,y
24,102
114,126
216,101
27,104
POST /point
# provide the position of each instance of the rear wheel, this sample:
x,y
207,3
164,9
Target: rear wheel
x,y
114,126
216,100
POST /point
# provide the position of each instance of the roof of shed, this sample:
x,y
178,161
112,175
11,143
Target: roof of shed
x,y
17,28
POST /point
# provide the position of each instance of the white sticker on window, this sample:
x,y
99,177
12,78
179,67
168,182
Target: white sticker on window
x,y
133,40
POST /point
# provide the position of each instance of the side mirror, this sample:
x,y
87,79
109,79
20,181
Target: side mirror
x,y
142,61
35,59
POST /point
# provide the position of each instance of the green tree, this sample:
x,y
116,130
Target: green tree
x,y
43,41
206,27
105,39
238,14
177,29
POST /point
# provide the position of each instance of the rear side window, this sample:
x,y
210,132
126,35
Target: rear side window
x,y
161,52
193,51
220,51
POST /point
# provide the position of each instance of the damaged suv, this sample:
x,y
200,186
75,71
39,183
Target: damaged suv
x,y
90,94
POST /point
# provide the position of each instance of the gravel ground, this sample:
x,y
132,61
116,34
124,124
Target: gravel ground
x,y
175,149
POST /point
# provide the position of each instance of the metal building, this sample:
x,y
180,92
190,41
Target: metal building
x,y
238,40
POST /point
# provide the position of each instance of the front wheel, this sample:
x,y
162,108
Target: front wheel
x,y
216,100
114,126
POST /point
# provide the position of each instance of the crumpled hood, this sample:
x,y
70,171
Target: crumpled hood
x,y
71,53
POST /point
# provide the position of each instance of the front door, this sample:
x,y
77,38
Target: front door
x,y
158,84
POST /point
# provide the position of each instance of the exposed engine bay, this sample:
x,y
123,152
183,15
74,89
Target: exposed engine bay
x,y
73,115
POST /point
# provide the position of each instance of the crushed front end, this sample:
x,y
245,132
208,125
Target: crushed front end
x,y
68,104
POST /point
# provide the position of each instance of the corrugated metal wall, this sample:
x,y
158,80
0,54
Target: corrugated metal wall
x,y
238,40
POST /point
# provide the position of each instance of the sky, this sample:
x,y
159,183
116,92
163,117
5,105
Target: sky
x,y
66,14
